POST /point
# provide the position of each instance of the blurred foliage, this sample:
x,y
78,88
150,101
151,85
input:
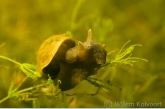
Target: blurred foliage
x,y
25,24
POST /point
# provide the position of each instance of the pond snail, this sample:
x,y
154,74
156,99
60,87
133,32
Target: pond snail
x,y
63,60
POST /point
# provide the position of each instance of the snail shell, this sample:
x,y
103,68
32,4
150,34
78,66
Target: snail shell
x,y
51,52
59,57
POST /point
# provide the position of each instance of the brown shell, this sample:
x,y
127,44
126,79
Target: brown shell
x,y
50,48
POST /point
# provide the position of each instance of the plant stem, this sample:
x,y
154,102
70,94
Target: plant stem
x,y
4,99
75,12
123,47
2,45
19,92
27,89
3,57
20,84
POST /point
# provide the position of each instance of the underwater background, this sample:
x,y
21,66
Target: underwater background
x,y
25,24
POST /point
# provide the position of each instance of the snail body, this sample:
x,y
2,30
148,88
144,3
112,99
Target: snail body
x,y
59,57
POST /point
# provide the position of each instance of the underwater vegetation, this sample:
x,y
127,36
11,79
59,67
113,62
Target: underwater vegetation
x,y
132,31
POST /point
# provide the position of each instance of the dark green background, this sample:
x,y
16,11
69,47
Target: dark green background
x,y
25,24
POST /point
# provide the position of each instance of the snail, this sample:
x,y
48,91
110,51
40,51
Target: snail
x,y
63,60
